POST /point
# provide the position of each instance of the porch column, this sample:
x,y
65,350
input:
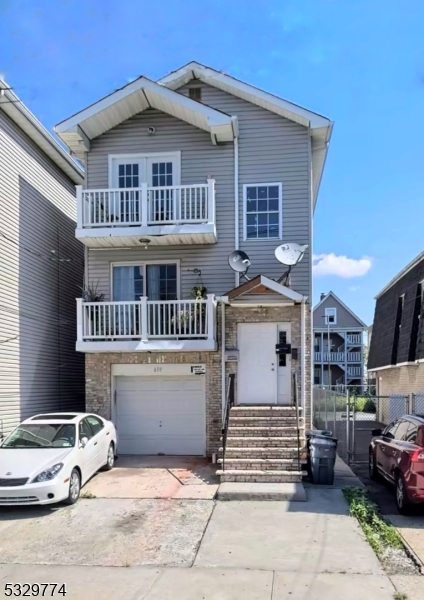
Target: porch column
x,y
322,358
211,201
210,316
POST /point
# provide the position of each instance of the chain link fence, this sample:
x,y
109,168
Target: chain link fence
x,y
352,417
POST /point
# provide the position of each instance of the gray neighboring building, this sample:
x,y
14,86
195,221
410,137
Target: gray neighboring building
x,y
41,269
178,174
338,343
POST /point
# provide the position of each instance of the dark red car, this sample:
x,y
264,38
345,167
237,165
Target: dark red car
x,y
397,453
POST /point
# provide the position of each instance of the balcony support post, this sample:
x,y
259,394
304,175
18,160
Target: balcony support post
x,y
144,320
80,330
144,204
210,316
79,206
211,201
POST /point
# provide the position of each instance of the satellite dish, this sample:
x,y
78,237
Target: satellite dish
x,y
290,254
239,262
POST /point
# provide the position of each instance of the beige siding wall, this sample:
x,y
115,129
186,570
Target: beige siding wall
x,y
271,149
401,380
39,368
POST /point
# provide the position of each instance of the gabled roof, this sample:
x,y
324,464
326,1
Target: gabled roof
x,y
333,295
16,110
261,284
320,127
133,98
414,262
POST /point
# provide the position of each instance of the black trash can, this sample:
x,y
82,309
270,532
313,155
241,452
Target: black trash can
x,y
322,450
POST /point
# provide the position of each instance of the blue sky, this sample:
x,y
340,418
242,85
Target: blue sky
x,y
360,63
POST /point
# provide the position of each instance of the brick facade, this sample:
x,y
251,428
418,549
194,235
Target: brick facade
x,y
98,366
408,379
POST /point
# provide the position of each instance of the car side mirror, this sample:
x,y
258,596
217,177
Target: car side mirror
x,y
376,432
83,442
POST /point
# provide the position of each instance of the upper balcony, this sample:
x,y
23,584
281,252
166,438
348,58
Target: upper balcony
x,y
126,217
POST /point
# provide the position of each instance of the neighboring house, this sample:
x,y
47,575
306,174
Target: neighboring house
x,y
397,344
179,173
41,269
338,343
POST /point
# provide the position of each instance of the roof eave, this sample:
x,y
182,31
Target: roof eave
x,y
16,110
415,261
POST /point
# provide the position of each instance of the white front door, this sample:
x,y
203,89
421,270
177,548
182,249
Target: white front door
x,y
284,366
257,375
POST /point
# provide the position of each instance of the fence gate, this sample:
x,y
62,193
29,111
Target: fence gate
x,y
352,418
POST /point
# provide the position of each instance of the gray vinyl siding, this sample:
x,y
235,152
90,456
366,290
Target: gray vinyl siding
x,y
199,160
344,318
39,368
271,149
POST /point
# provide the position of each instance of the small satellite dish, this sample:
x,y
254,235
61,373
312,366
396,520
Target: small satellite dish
x,y
290,254
239,262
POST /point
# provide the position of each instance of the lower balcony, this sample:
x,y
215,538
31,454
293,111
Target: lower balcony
x,y
338,357
147,326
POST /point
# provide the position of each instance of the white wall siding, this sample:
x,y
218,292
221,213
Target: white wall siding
x,y
39,368
271,149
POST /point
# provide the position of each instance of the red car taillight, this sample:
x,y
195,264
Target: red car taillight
x,y
418,455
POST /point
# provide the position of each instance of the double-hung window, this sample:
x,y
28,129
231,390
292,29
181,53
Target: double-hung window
x,y
331,316
262,204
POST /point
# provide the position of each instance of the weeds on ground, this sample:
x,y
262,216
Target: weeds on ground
x,y
399,596
87,495
378,532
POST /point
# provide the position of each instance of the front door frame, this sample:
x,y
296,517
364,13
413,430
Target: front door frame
x,y
278,326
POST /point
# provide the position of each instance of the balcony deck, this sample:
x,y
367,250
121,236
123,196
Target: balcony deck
x,y
172,215
146,326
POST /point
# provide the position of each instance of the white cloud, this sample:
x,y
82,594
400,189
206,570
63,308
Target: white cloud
x,y
340,266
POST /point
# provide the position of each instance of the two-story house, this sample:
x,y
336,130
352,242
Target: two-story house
x,y
178,174
338,343
41,269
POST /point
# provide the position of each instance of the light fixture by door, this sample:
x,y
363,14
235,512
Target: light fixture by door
x,y
145,242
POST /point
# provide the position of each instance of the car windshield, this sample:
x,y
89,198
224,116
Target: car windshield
x,y
41,435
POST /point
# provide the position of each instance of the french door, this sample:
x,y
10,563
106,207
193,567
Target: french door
x,y
158,171
156,281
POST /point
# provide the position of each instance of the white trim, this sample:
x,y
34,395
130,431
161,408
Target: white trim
x,y
414,262
330,311
194,69
302,355
147,231
143,156
236,204
24,119
148,370
141,263
280,211
204,345
343,305
404,364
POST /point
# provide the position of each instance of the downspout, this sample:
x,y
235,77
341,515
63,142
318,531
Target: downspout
x,y
236,192
302,353
222,359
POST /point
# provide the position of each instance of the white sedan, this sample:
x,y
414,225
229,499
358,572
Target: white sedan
x,y
48,458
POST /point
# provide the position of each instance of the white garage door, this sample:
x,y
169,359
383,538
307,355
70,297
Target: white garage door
x,y
161,415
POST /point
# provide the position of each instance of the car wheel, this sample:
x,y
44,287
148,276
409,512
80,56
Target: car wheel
x,y
110,458
74,487
402,501
372,468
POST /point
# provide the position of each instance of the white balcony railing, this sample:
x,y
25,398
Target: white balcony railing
x,y
354,340
145,320
147,205
354,371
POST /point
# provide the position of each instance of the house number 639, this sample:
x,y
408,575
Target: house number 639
x,y
157,369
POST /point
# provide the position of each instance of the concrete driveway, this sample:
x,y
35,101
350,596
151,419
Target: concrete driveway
x,y
190,478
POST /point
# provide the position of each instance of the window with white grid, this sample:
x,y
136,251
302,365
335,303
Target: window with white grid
x,y
262,211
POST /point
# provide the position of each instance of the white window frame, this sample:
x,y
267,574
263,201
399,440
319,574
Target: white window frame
x,y
176,154
144,263
280,211
329,312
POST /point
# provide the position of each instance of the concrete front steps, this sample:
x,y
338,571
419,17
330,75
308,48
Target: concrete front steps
x,y
262,446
